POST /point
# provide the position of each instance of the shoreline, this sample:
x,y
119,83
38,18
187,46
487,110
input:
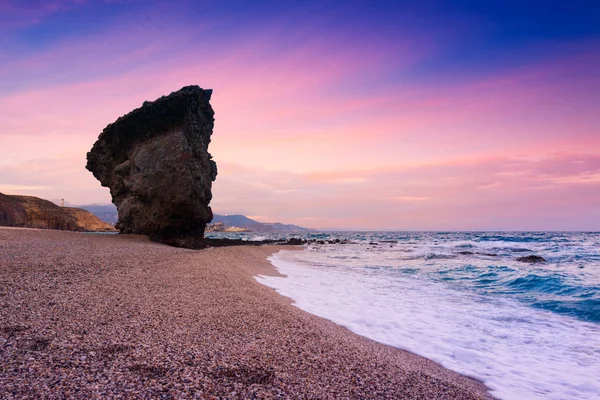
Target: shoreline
x,y
118,315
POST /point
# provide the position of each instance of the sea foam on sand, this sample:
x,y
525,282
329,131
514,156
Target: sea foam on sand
x,y
517,351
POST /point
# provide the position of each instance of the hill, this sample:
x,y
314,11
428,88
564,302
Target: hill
x,y
241,221
33,212
108,213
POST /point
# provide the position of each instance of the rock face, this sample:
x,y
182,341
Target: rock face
x,y
33,212
155,162
532,259
216,227
12,212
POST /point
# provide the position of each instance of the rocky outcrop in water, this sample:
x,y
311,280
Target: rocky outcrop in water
x,y
217,227
155,162
532,259
33,212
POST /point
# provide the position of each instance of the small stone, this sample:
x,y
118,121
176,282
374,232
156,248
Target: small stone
x,y
532,259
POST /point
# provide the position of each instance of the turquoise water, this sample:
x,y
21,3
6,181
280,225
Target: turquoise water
x,y
464,300
485,263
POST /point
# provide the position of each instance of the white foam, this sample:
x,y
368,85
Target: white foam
x,y
517,351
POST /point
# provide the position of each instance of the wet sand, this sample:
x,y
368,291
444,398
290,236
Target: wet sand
x,y
117,316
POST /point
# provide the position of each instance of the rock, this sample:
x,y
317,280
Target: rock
x,y
216,227
33,212
532,259
295,241
223,242
155,162
12,212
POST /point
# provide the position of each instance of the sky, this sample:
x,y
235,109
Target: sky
x,y
371,115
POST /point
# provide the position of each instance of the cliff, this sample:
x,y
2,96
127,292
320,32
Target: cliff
x,y
33,212
155,162
106,212
86,219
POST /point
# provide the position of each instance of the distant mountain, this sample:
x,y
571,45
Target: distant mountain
x,y
241,221
278,226
108,213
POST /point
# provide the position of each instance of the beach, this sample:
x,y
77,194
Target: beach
x,y
118,316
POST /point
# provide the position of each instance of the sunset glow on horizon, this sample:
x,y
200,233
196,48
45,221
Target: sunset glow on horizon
x,y
371,115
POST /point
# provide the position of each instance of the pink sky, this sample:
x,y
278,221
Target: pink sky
x,y
323,135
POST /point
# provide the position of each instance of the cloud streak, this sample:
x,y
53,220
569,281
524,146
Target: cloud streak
x,y
332,128
486,194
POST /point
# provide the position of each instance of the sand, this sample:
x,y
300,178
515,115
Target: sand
x,y
117,316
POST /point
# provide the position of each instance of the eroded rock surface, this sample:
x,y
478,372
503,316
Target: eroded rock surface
x,y
155,162
33,212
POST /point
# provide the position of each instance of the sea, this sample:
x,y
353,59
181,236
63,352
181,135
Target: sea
x,y
462,299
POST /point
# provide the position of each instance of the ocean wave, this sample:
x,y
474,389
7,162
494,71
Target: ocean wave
x,y
433,256
584,309
466,317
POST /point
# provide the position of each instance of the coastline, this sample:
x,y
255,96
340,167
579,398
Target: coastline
x,y
117,315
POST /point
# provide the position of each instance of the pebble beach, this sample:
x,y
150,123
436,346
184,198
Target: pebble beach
x,y
118,316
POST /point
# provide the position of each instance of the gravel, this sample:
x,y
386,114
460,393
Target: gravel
x,y
117,316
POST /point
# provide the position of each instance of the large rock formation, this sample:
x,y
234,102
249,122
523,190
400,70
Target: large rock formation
x,y
155,162
33,212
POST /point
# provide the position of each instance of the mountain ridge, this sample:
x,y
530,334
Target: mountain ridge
x,y
108,213
241,221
